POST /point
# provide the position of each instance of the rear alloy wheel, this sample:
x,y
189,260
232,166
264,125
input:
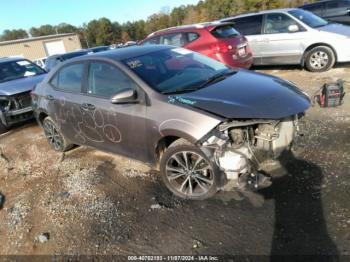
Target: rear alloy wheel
x,y
188,173
320,59
54,136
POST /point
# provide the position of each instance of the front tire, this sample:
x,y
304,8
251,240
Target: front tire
x,y
3,128
188,173
55,137
320,59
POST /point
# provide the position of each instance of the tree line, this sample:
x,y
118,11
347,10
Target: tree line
x,y
105,32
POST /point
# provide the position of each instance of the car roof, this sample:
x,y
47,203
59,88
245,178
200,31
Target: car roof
x,y
124,53
98,47
69,53
205,25
323,1
282,10
11,59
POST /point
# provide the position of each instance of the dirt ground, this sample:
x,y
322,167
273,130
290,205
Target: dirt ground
x,y
90,202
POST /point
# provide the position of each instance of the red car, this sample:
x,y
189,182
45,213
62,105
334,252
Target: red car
x,y
219,41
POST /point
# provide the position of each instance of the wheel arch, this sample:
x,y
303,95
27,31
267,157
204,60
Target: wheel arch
x,y
41,116
310,47
166,140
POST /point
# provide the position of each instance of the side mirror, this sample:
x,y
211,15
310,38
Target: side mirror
x,y
125,96
293,28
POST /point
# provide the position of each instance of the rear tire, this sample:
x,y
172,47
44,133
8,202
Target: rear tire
x,y
3,128
319,59
188,173
55,137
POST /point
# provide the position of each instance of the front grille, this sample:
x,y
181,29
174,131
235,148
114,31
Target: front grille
x,y
23,100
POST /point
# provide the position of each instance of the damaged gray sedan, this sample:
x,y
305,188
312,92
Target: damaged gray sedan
x,y
18,77
204,125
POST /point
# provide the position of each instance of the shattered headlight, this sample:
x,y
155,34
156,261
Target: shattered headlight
x,y
4,103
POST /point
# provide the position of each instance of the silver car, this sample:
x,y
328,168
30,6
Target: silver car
x,y
294,36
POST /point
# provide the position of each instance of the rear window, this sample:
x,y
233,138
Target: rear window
x,y
225,31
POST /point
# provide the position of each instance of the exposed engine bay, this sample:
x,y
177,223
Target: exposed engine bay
x,y
240,147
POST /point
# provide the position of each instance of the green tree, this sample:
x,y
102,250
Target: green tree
x,y
8,35
100,32
64,28
42,30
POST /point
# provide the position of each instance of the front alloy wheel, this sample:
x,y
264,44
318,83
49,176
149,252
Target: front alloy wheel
x,y
188,173
54,136
320,59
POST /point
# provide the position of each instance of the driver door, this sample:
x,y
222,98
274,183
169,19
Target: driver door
x,y
118,128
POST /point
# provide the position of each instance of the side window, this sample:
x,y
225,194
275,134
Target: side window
x,y
314,8
250,25
152,41
173,39
192,36
69,78
278,23
105,80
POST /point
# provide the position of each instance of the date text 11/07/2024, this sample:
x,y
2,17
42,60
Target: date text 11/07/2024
x,y
173,258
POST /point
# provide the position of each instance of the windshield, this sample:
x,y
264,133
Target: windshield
x,y
18,69
176,70
308,18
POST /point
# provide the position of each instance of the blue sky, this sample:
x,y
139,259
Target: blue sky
x,y
25,14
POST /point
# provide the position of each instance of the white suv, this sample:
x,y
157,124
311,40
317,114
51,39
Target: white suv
x,y
294,36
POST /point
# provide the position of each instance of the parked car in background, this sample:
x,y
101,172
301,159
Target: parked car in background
x,y
54,60
219,41
130,43
332,10
18,77
98,49
294,36
199,119
40,62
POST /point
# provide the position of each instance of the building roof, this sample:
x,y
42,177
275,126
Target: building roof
x,y
24,40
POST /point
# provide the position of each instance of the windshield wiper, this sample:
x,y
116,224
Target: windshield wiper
x,y
210,80
181,90
217,77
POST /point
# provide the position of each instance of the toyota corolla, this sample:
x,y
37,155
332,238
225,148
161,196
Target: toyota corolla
x,y
204,125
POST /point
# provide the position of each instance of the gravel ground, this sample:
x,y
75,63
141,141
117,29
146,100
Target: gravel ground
x,y
90,202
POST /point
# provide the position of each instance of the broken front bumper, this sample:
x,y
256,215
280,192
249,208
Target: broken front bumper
x,y
15,109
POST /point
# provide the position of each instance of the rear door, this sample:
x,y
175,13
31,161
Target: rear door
x,y
251,28
279,45
64,99
118,128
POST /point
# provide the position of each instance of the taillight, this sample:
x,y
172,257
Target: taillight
x,y
221,47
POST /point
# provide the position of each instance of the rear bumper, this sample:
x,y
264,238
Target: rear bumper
x,y
241,62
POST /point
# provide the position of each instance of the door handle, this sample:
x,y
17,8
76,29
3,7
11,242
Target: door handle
x,y
50,97
87,106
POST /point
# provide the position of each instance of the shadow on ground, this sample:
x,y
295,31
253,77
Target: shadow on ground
x,y
300,227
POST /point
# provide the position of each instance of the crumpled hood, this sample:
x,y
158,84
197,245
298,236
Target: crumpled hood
x,y
20,85
249,95
339,29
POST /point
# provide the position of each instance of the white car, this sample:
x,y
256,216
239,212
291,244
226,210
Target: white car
x,y
40,62
294,36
